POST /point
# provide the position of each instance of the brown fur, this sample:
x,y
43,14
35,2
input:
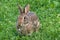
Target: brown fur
x,y
27,21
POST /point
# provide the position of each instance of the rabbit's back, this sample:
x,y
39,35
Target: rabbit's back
x,y
34,19
32,16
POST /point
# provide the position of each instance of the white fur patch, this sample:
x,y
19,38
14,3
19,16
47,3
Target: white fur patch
x,y
38,23
19,29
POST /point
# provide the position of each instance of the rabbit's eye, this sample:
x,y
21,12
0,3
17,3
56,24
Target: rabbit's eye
x,y
25,20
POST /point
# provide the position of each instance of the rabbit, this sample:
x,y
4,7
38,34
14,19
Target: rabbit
x,y
27,21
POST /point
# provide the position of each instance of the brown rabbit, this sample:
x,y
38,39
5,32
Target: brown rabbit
x,y
27,21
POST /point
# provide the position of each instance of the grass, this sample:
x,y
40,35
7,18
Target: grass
x,y
48,12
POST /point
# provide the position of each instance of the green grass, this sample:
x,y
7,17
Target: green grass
x,y
48,12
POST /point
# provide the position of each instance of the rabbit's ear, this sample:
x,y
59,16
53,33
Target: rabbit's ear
x,y
26,9
20,9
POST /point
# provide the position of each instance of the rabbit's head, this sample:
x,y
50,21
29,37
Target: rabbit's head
x,y
23,14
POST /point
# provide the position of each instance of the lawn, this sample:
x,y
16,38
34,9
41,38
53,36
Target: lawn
x,y
48,12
